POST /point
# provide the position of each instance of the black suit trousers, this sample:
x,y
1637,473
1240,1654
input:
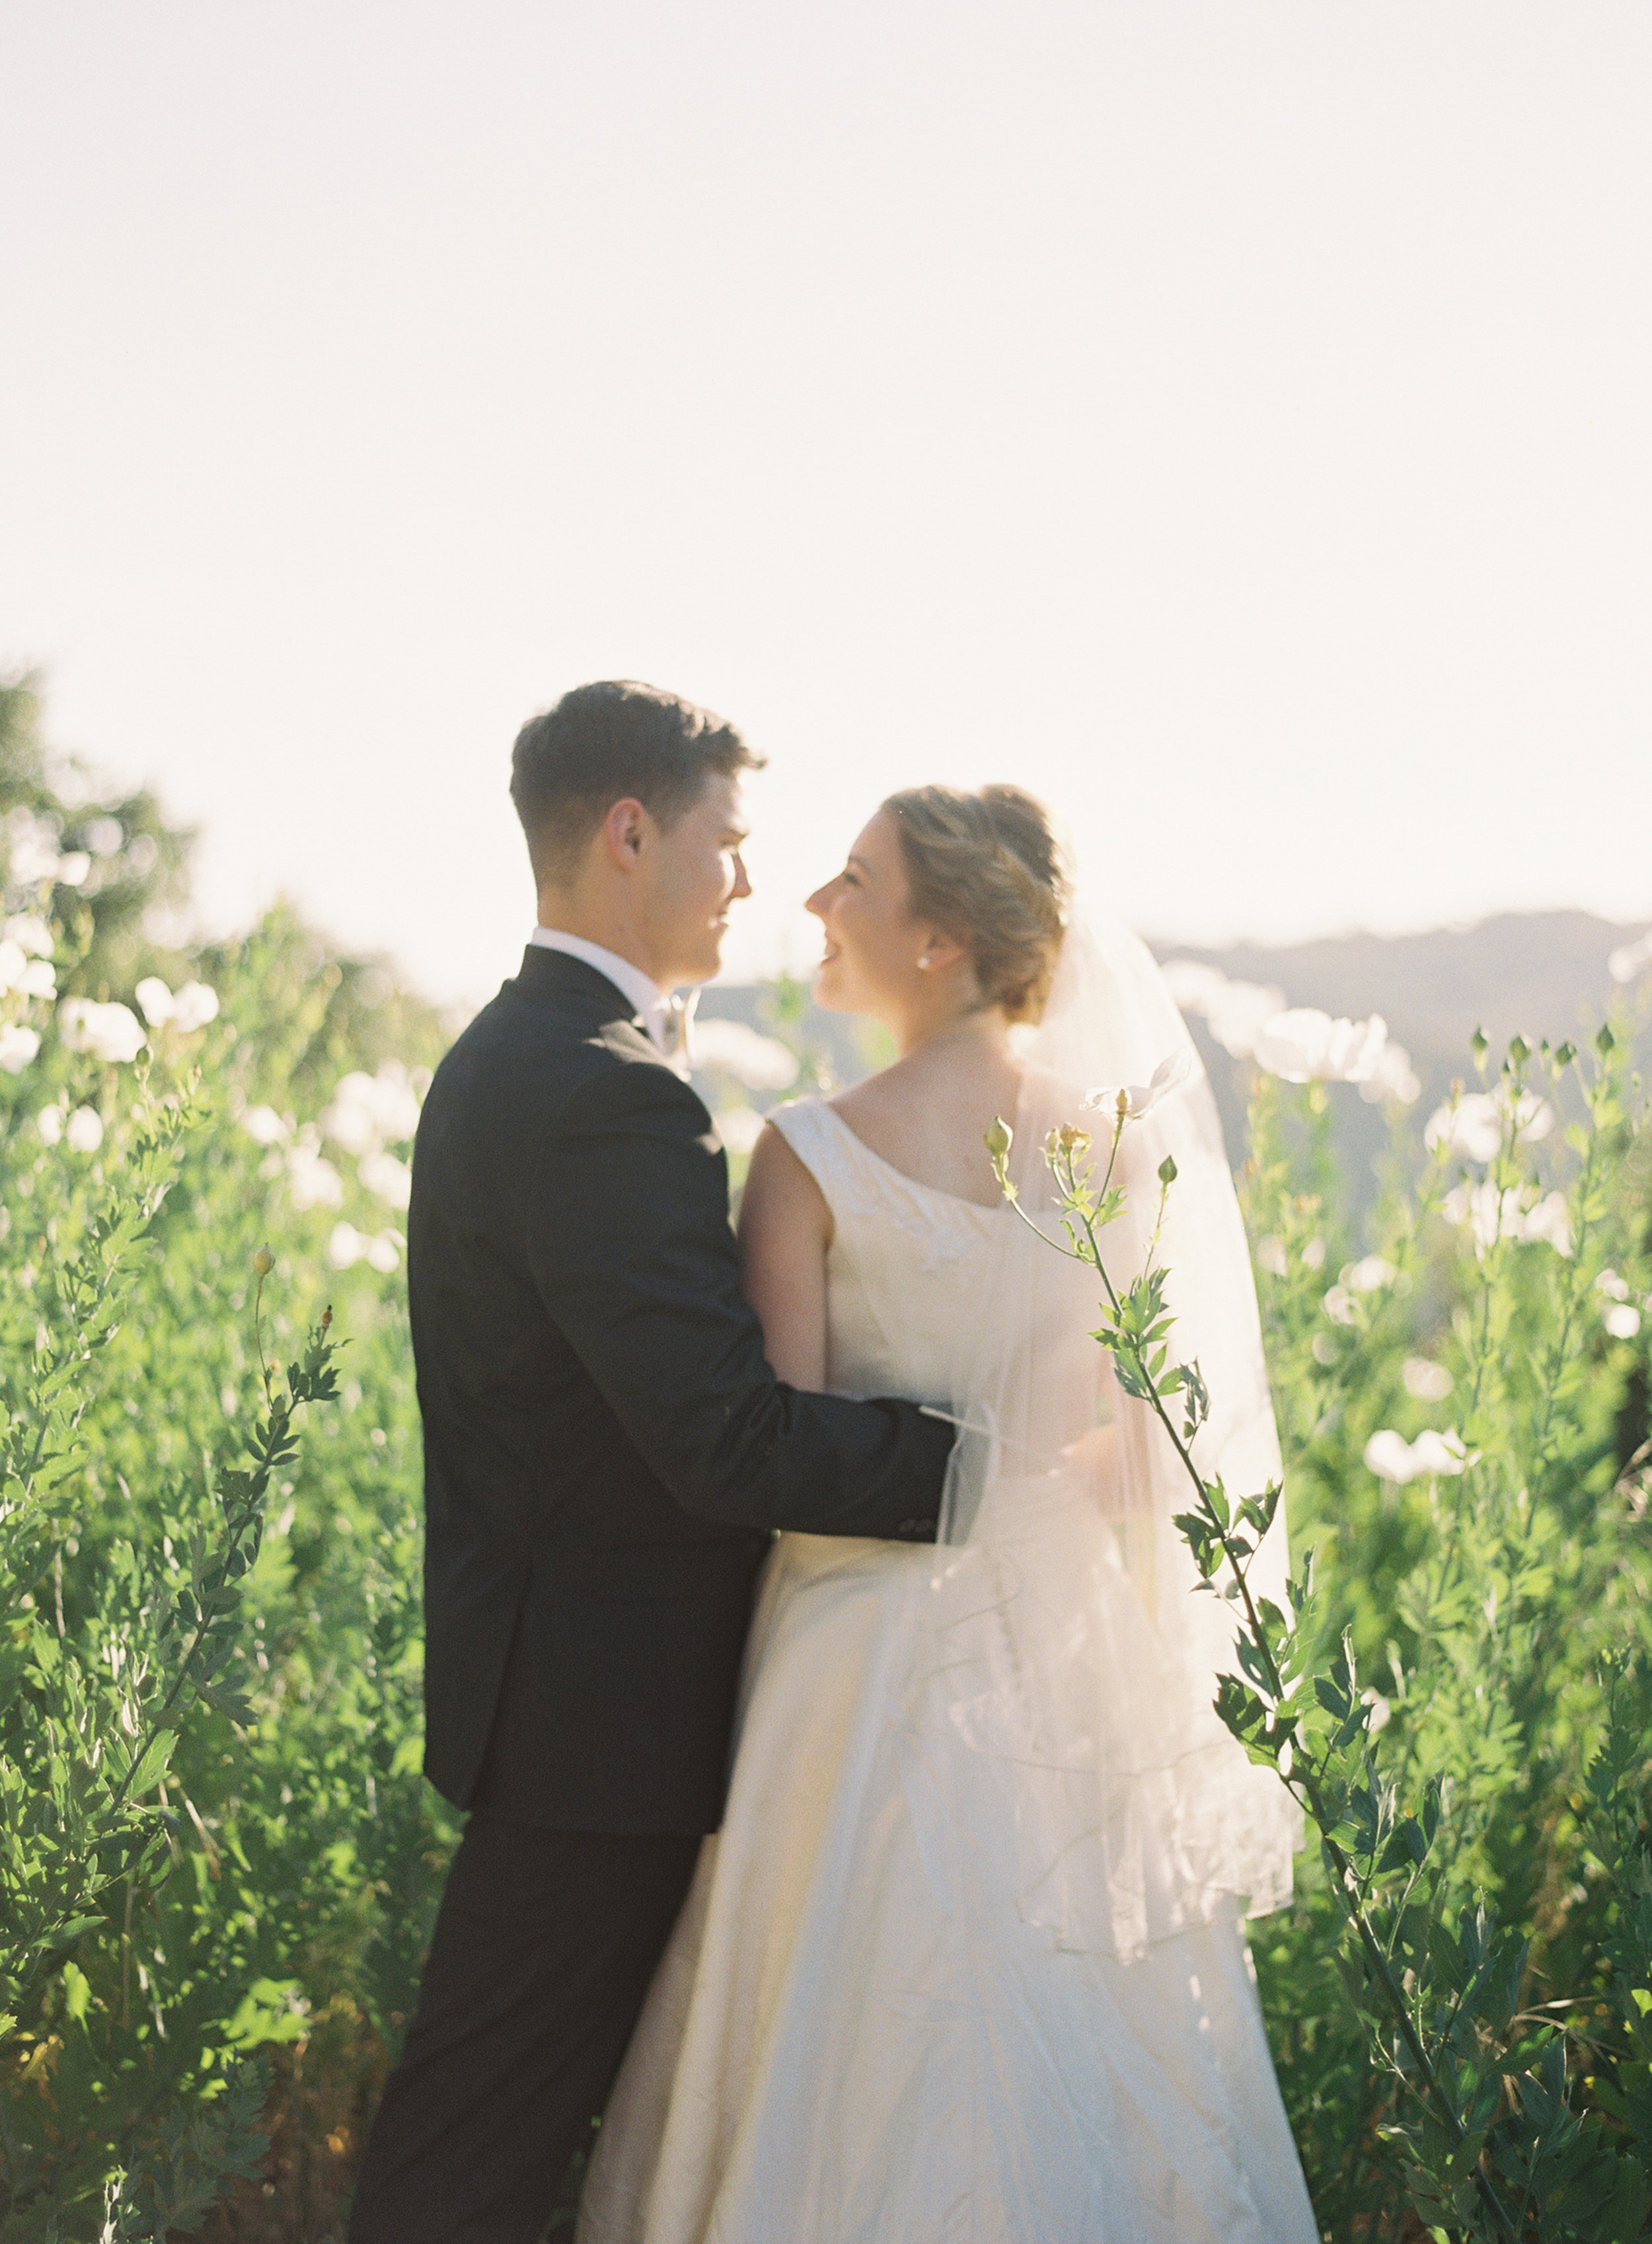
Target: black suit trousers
x,y
544,1948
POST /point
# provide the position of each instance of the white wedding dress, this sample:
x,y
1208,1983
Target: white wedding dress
x,y
860,2034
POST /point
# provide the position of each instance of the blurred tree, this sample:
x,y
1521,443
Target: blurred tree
x,y
119,871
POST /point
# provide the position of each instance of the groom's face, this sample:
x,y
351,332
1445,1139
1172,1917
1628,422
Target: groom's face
x,y
695,873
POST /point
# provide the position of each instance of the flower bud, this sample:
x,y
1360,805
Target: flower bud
x,y
999,1139
263,1262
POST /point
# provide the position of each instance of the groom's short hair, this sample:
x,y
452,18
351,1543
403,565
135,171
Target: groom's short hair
x,y
600,743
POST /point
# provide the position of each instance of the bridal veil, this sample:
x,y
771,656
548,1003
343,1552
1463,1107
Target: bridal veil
x,y
1063,1640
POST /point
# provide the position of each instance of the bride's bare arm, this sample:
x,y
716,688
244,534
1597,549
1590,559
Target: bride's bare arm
x,y
785,1230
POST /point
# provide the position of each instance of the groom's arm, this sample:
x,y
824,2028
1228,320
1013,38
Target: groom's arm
x,y
630,1246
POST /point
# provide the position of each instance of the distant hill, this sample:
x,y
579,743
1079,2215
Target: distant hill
x,y
1534,974
1537,974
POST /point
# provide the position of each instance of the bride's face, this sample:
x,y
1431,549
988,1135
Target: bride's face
x,y
873,943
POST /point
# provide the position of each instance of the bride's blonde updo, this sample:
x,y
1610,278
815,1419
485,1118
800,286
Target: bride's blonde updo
x,y
986,869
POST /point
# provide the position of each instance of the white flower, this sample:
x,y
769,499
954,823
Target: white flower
x,y
1533,1117
1622,1320
369,1111
739,1127
1624,964
1442,1453
30,933
1271,1256
1233,1011
17,1046
1339,1305
1550,1222
73,868
1473,1127
84,1130
1393,1077
1369,1274
156,999
1130,1101
1429,1383
34,976
1313,1255
391,1180
1615,1289
349,1119
109,1032
313,1180
1391,1457
1482,1209
380,1250
730,1048
32,850
1381,1712
264,1126
1517,1213
49,1122
346,1247
1306,1045
103,836
189,1009
195,1005
1241,1012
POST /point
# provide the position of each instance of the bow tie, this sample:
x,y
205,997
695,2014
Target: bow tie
x,y
679,1028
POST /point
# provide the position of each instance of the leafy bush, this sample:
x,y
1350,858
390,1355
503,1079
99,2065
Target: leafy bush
x,y
1461,1999
218,1861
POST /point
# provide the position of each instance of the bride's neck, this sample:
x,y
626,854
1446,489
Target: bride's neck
x,y
985,1028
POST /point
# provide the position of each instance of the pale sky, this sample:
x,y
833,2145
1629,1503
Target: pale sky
x,y
1228,418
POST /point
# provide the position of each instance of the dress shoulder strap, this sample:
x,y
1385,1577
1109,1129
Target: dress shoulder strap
x,y
827,1149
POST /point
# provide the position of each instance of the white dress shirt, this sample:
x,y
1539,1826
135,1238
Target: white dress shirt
x,y
630,980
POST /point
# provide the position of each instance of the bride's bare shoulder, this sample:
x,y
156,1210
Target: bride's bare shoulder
x,y
781,1191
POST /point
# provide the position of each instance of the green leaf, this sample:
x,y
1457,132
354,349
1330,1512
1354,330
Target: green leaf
x,y
149,1770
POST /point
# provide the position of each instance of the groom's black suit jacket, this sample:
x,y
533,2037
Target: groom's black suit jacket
x,y
606,1450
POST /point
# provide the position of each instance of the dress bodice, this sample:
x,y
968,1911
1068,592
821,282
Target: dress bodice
x,y
905,1266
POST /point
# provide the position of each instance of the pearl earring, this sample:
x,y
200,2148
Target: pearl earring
x,y
924,961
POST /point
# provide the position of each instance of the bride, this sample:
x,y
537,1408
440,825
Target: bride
x,y
965,1961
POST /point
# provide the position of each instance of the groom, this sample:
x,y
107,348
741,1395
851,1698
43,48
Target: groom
x,y
606,1455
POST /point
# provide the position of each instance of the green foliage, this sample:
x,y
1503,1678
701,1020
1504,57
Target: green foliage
x,y
1462,1996
217,1859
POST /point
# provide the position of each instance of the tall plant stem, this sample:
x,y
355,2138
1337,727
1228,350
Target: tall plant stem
x,y
1306,1786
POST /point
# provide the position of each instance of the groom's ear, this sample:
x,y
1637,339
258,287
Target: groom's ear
x,y
624,831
